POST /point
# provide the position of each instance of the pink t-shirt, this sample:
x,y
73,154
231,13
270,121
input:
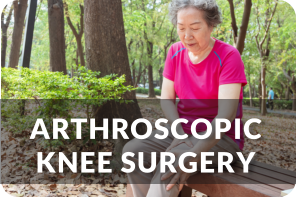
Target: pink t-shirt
x,y
197,85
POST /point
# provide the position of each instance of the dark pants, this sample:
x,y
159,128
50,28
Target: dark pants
x,y
270,102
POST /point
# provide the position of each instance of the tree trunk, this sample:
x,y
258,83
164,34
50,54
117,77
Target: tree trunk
x,y
250,86
77,34
56,36
149,46
294,102
150,70
20,8
260,92
106,52
293,86
287,96
80,52
76,64
239,39
144,79
139,73
291,82
263,87
3,46
264,53
244,25
76,60
140,66
160,77
133,73
250,94
151,83
253,89
4,27
134,76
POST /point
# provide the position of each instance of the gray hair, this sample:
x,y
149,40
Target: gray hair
x,y
212,14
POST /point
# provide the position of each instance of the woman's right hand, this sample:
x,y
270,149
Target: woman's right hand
x,y
176,142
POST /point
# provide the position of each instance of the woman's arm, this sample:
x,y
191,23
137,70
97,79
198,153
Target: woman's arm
x,y
228,104
168,98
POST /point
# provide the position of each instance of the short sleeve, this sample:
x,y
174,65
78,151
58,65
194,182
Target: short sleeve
x,y
232,70
169,68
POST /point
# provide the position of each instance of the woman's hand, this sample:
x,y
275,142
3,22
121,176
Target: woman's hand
x,y
176,142
179,175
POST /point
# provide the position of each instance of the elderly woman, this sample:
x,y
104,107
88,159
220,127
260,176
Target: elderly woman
x,y
203,72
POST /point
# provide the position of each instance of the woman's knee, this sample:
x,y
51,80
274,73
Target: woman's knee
x,y
139,145
131,146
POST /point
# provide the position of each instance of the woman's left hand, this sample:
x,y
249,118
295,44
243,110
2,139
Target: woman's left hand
x,y
180,175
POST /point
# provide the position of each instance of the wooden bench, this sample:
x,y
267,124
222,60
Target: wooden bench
x,y
239,184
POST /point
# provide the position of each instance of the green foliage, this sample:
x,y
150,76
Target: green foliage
x,y
26,83
56,89
12,119
150,17
40,46
277,104
145,91
59,95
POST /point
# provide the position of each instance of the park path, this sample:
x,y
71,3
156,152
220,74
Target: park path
x,y
244,107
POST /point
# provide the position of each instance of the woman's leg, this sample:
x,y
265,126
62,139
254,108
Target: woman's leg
x,y
140,182
158,187
150,184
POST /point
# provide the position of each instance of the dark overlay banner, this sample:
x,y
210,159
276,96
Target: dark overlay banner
x,y
116,142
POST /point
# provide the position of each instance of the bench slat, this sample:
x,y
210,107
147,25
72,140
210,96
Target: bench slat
x,y
264,171
274,168
261,179
240,184
256,183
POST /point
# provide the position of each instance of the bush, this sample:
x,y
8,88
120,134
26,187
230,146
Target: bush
x,y
277,104
51,93
26,83
283,104
146,91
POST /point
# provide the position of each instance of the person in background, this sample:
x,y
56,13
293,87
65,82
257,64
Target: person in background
x,y
270,98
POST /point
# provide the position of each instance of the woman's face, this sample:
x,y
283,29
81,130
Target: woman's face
x,y
193,30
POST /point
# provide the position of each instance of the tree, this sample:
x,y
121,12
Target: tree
x,y
291,76
153,20
106,52
132,66
264,50
169,40
141,71
150,47
284,46
250,63
56,36
4,27
20,7
78,34
239,39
